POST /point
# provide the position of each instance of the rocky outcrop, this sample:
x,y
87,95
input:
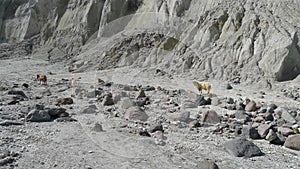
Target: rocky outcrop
x,y
240,41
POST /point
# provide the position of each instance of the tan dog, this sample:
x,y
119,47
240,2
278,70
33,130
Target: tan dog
x,y
202,86
42,79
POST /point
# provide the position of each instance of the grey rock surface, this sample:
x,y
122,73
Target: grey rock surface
x,y
241,147
293,142
38,116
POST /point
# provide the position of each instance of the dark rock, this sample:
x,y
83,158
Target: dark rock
x,y
229,100
38,116
293,142
155,127
149,88
270,110
251,106
210,117
140,94
271,136
93,94
249,132
25,85
228,86
242,115
201,101
6,160
39,107
13,102
18,93
194,124
263,130
97,127
135,113
56,112
241,147
262,110
279,140
129,88
268,117
65,101
293,113
65,119
108,101
208,101
207,165
273,106
10,123
108,84
144,133
239,105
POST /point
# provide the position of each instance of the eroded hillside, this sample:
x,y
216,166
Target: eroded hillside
x,y
240,41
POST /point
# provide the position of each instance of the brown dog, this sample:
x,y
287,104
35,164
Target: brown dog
x,y
42,79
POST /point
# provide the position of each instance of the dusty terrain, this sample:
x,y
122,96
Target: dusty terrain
x,y
78,145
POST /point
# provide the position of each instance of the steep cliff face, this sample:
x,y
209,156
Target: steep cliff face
x,y
244,40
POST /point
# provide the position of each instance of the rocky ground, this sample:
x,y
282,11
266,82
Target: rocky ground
x,y
135,118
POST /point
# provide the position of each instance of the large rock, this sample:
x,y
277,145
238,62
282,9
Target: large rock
x,y
210,117
18,93
108,100
135,113
56,111
285,131
263,130
183,116
249,132
242,115
251,106
293,142
241,147
271,136
201,101
38,116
